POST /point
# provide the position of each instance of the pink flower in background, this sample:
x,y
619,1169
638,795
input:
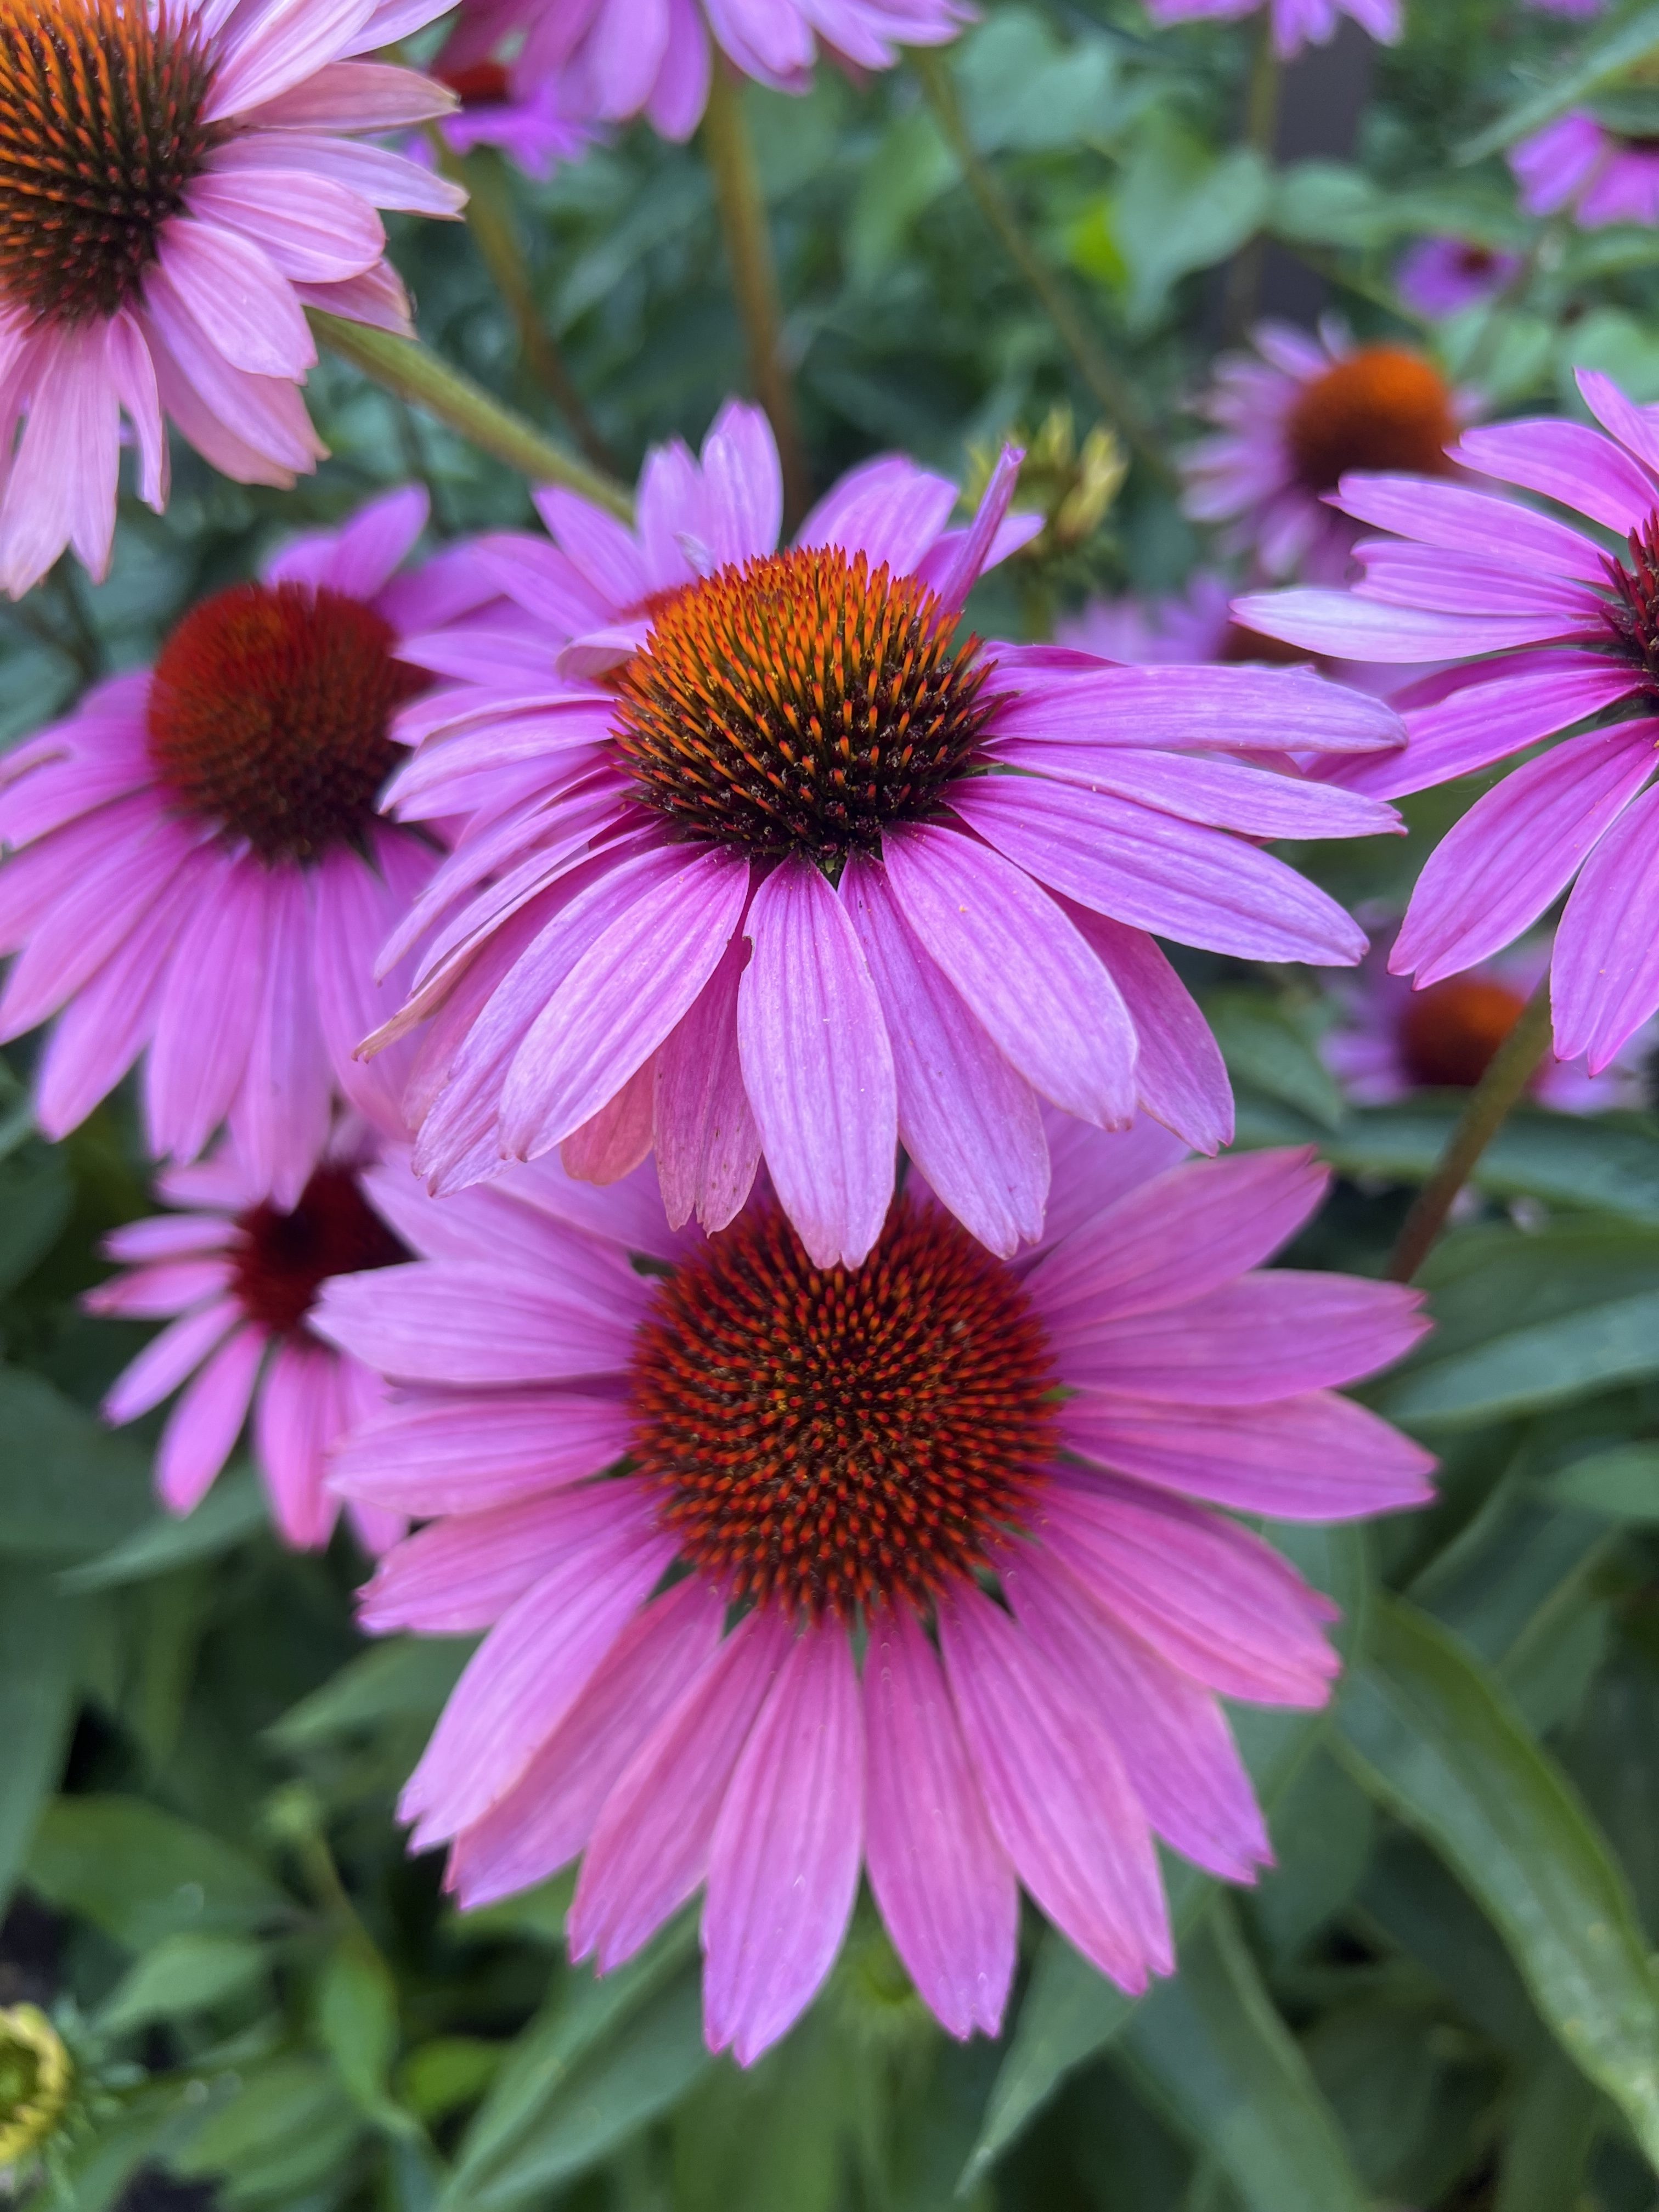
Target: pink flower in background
x,y
1293,418
1391,1041
771,861
231,197
1296,23
827,1450
1577,162
616,59
1443,276
197,867
238,1278
535,132
1559,631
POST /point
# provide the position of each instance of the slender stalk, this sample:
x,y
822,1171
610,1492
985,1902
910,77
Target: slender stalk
x,y
405,367
729,153
1261,135
1112,391
489,218
1512,1068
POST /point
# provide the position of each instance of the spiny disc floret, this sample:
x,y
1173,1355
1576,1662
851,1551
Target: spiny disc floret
x,y
279,1261
1633,611
1382,407
270,714
800,704
827,1439
101,129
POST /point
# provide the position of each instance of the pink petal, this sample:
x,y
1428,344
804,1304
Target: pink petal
x,y
1086,701
163,1364
708,1141
467,1455
202,1428
1347,627
1604,977
1222,793
209,1004
945,1890
239,302
1487,721
1181,1079
1057,1795
887,509
651,1844
743,484
611,1143
449,1322
783,1862
1466,521
298,1417
818,1066
1565,461
279,1117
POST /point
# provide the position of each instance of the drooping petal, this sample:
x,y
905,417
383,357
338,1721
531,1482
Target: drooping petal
x,y
202,1430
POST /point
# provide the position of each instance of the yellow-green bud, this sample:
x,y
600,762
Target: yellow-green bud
x,y
35,2075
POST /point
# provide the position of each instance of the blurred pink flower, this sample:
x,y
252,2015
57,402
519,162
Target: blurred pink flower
x,y
1296,23
1579,163
763,858
536,131
1391,1041
197,867
1559,631
179,290
238,1278
827,1451
1443,276
1294,418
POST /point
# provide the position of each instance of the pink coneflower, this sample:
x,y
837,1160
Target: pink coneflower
x,y
803,872
1391,1041
1559,630
1294,418
827,1452
229,198
1296,23
616,59
537,130
238,1279
1442,277
1604,176
1181,628
200,869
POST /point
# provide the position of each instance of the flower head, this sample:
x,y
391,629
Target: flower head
x,y
616,59
1389,1041
238,1279
1558,629
1183,627
767,856
1293,418
821,1463
36,2075
230,196
1296,23
198,869
1442,277
535,128
1603,175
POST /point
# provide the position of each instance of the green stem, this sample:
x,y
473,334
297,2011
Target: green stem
x,y
1261,135
405,367
729,153
489,218
1112,391
1512,1068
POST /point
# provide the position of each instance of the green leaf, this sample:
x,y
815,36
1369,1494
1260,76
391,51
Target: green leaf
x,y
1548,2143
39,1634
1069,2012
534,2110
1181,208
140,1873
406,1678
357,2024
1604,57
438,2078
910,167
67,1484
1621,1485
1210,2051
35,1192
1263,1047
1023,90
233,1509
758,2138
181,1974
286,2128
1426,1729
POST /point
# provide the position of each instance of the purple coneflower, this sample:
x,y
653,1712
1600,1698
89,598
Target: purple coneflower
x,y
826,1463
801,871
230,196
1296,23
238,1278
1559,630
1442,277
1604,176
199,867
1293,418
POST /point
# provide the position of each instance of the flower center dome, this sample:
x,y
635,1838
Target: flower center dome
x,y
800,704
1449,1034
1381,408
824,1438
281,1260
270,713
1633,611
102,129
